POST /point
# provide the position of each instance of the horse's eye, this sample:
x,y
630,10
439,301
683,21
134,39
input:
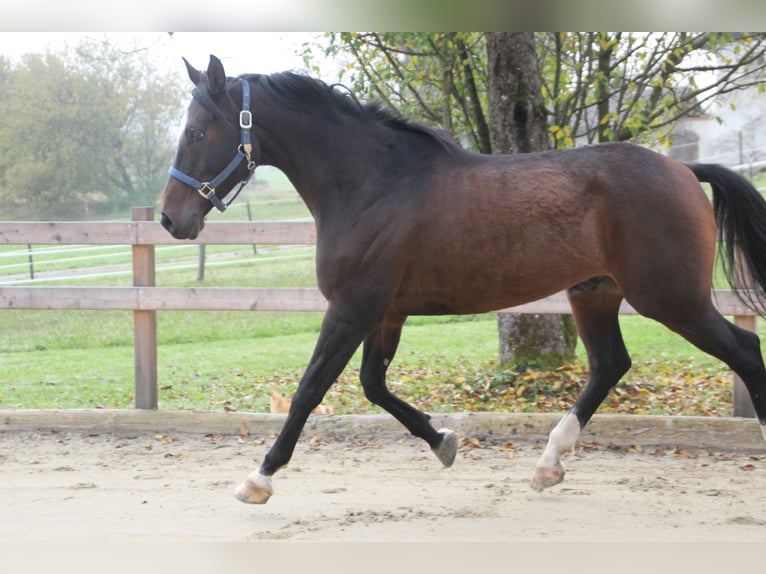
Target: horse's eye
x,y
197,135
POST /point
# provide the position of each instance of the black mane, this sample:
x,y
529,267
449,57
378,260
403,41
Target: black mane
x,y
308,94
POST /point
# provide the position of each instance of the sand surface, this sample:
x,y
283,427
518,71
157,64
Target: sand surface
x,y
86,486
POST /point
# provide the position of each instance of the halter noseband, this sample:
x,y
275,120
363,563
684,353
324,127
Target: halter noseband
x,y
244,150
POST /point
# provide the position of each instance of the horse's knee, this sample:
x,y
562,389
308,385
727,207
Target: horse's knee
x,y
373,385
750,350
306,400
374,393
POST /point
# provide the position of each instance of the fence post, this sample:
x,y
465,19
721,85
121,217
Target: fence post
x,y
144,322
743,405
201,263
31,261
250,218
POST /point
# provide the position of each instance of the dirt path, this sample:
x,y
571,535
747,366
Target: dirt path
x,y
86,486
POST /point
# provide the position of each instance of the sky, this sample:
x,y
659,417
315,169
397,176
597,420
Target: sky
x,y
240,52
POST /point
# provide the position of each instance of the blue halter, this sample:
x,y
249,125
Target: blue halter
x,y
244,150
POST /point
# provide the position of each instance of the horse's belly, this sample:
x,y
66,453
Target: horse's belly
x,y
465,290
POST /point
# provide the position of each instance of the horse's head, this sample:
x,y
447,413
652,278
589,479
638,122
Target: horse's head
x,y
214,151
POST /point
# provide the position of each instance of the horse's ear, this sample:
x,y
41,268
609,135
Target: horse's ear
x,y
194,73
216,77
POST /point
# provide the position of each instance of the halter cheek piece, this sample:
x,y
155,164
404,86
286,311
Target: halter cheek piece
x,y
207,189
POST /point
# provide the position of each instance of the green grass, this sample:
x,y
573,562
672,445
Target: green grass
x,y
215,361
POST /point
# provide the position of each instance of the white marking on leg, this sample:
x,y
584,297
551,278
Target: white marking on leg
x,y
561,441
261,480
549,470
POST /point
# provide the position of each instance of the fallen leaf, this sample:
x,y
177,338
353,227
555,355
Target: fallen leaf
x,y
681,453
470,442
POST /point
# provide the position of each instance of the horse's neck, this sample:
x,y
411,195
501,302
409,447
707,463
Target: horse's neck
x,y
321,163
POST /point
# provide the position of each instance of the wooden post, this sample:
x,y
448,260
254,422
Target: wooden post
x,y
743,406
31,261
250,218
144,322
201,263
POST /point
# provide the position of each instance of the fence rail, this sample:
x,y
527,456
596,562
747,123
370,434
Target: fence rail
x,y
249,299
145,299
143,232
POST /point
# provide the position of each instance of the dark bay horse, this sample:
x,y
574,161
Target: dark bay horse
x,y
409,223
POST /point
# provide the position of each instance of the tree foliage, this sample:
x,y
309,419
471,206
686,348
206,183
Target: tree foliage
x,y
85,131
597,86
602,86
438,78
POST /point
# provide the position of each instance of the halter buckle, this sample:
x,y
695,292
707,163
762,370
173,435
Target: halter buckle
x,y
206,190
245,119
246,150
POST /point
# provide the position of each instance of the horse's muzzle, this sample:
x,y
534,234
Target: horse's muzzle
x,y
189,231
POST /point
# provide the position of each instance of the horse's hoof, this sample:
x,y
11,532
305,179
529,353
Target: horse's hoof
x,y
256,489
447,450
545,477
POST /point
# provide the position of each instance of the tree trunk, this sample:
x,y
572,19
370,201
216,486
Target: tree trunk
x,y
518,124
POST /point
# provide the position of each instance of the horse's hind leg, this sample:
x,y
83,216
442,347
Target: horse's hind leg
x,y
738,348
378,352
595,307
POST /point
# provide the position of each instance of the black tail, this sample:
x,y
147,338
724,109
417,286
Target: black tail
x,y
740,212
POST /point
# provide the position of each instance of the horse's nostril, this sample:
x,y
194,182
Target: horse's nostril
x,y
166,223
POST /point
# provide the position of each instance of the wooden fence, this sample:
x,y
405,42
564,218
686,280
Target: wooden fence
x,y
145,299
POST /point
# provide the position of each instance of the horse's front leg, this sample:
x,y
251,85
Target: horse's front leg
x,y
339,338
